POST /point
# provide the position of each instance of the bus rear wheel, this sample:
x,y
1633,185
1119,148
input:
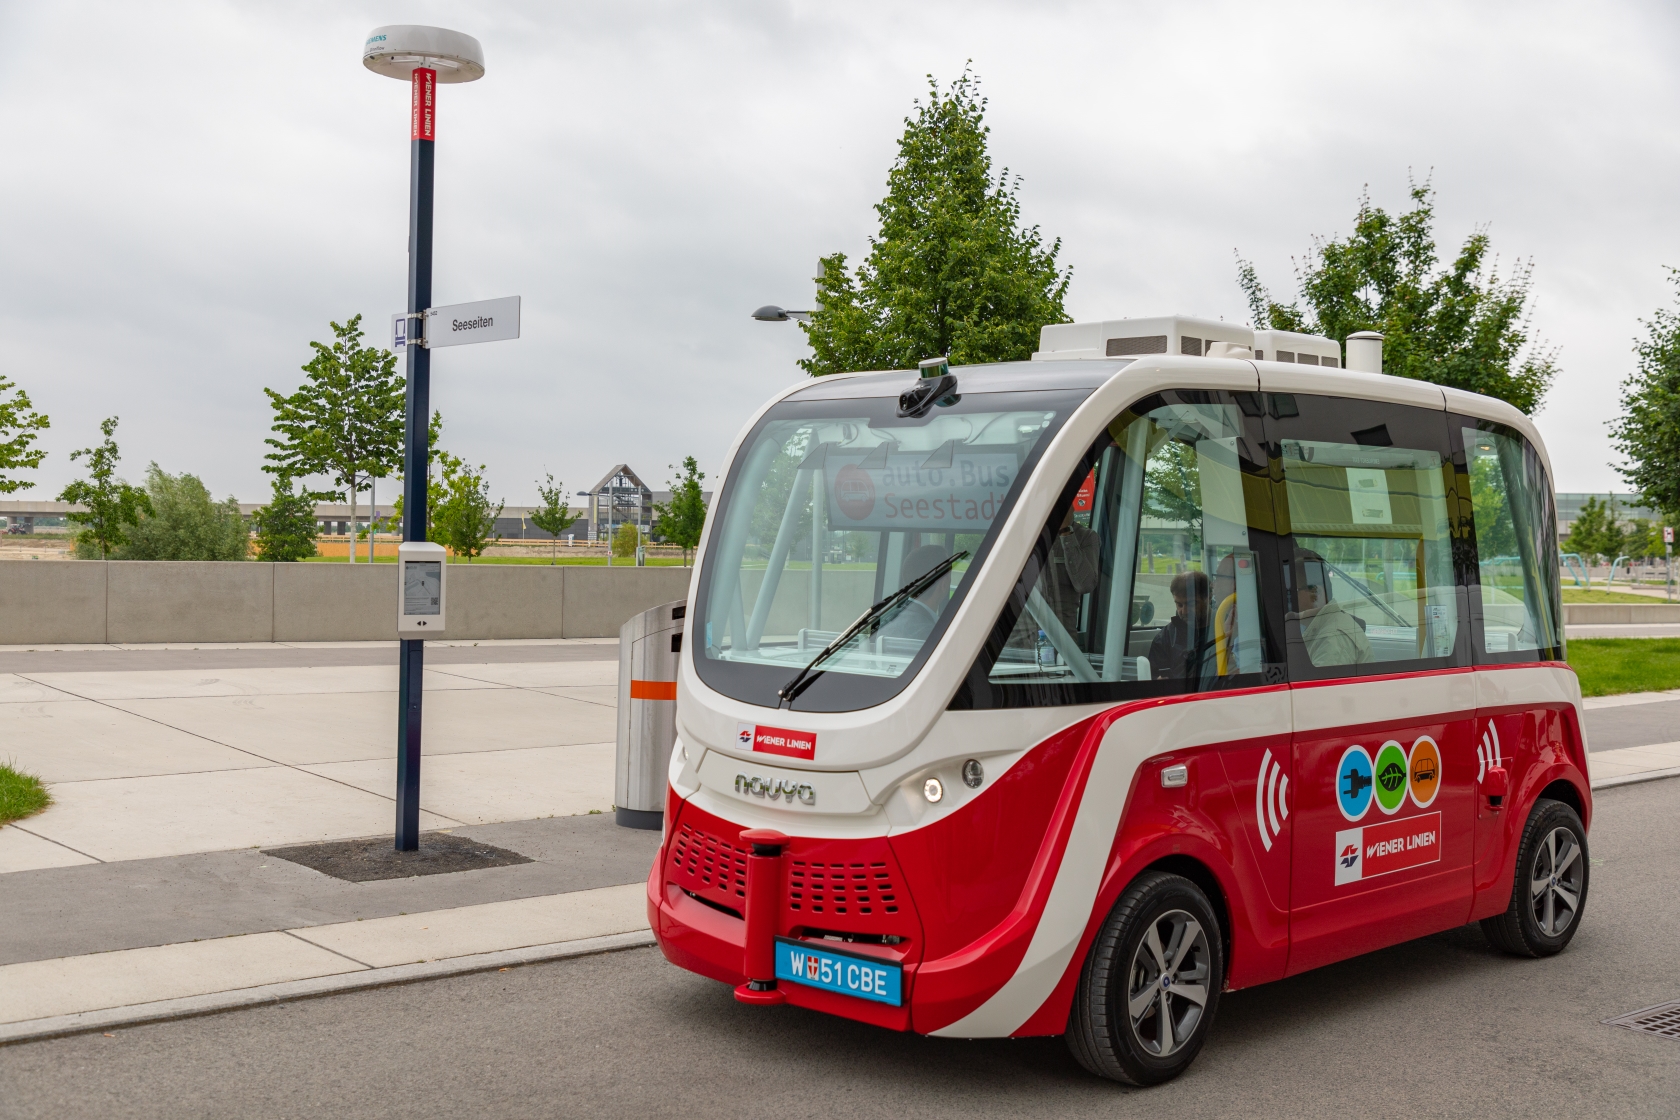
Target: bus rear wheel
x,y
1150,985
1550,891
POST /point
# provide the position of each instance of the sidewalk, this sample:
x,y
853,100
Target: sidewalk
x,y
150,761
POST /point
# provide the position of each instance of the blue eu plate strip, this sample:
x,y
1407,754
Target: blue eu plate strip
x,y
863,977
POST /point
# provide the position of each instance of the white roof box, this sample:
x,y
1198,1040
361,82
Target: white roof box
x,y
1131,338
1305,349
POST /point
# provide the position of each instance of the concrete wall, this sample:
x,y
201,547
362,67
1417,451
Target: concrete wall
x,y
1611,614
131,602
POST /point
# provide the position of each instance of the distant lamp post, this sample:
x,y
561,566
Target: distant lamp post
x,y
770,313
425,57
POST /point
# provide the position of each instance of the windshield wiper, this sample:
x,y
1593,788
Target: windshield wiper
x,y
806,677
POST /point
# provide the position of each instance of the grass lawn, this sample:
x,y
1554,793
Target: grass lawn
x,y
1607,666
1593,595
20,795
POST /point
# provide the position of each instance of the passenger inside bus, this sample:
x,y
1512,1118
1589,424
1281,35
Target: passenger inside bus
x,y
917,619
1073,570
1180,645
1333,635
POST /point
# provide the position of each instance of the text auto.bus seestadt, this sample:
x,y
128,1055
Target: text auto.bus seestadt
x,y
1058,697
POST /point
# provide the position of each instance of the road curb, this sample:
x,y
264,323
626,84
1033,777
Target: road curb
x,y
1631,779
190,1006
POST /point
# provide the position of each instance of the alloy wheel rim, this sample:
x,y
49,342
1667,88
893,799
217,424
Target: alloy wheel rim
x,y
1555,881
1167,988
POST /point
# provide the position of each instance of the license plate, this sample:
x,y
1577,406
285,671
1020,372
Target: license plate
x,y
850,974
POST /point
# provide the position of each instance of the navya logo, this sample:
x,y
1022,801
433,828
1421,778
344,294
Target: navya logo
x,y
775,789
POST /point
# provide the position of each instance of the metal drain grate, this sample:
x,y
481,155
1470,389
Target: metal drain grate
x,y
1663,1019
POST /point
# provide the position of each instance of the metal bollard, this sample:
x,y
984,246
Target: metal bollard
x,y
766,883
649,651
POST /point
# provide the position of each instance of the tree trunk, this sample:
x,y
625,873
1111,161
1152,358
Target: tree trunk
x,y
373,511
352,519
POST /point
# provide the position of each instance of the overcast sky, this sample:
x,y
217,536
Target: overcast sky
x,y
191,191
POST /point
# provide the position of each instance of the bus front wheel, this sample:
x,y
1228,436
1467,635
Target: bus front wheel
x,y
1150,985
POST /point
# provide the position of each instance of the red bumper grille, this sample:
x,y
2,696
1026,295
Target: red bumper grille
x,y
841,888
709,867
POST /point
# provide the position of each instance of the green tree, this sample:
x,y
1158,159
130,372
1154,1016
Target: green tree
x,y
185,523
109,502
345,421
554,516
1462,325
19,423
625,539
1648,432
1594,532
463,520
681,520
286,525
951,271
434,491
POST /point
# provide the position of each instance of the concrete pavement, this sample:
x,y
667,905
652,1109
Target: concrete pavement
x,y
155,760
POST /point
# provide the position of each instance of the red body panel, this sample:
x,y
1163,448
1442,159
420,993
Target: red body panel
x,y
957,902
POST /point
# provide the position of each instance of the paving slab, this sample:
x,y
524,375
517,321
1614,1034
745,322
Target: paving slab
x,y
1635,760
158,683
66,985
550,674
343,727
174,814
20,690
1632,725
22,850
606,694
412,938
81,740
488,786
29,659
68,911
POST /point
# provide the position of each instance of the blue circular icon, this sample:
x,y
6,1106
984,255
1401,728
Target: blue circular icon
x,y
1354,782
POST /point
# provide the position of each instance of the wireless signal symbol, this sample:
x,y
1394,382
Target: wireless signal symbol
x,y
1487,752
1271,799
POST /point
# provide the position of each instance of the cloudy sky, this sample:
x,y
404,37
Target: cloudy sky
x,y
191,191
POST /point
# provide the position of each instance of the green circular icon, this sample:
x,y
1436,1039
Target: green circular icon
x,y
1390,767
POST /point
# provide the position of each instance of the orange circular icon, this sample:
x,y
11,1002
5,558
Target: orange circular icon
x,y
1424,771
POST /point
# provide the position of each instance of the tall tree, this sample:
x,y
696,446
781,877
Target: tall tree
x,y
681,520
1648,431
951,271
286,525
345,421
186,523
554,516
19,423
109,502
1461,325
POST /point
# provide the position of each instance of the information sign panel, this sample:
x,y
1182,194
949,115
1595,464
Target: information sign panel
x,y
460,324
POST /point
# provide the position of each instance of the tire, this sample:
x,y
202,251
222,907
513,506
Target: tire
x,y
1541,920
1123,973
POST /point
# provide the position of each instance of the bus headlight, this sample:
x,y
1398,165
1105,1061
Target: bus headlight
x,y
933,789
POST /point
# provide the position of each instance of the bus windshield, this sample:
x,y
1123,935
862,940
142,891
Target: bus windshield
x,y
833,505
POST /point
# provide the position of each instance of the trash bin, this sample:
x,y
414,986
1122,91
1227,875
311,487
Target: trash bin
x,y
649,647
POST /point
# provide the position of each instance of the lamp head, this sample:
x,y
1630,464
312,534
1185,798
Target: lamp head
x,y
398,49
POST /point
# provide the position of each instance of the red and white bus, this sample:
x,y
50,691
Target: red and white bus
x,y
1061,696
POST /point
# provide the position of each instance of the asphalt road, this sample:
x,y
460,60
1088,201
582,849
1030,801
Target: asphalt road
x,y
1438,1027
1632,725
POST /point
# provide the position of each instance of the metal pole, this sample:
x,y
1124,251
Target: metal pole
x,y
411,658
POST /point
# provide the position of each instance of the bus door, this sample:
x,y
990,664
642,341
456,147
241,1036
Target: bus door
x,y
1384,757
1515,602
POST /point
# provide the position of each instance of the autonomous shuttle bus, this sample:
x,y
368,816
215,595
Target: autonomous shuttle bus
x,y
1061,696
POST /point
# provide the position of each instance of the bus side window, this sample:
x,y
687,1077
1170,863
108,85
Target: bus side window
x,y
1145,580
1369,559
1516,545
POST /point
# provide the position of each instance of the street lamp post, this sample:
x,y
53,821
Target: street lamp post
x,y
426,57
